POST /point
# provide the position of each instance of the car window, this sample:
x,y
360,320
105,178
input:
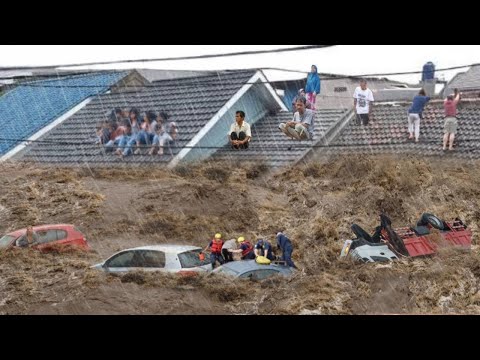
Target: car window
x,y
121,260
150,259
190,259
46,236
6,241
61,234
260,274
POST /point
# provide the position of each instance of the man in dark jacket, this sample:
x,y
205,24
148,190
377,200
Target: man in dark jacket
x,y
285,245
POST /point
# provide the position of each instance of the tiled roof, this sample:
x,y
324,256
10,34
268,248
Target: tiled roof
x,y
32,105
273,148
158,75
190,102
469,80
388,133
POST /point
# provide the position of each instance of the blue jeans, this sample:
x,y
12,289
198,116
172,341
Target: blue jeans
x,y
145,138
215,257
287,256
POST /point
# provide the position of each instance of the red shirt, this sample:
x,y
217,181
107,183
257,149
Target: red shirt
x,y
450,108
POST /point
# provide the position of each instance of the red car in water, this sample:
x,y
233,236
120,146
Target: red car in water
x,y
49,237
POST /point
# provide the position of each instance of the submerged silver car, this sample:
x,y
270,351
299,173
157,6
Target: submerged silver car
x,y
165,258
249,269
362,250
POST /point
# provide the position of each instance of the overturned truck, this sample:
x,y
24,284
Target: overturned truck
x,y
425,239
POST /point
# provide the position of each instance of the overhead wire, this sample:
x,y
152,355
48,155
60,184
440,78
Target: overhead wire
x,y
174,58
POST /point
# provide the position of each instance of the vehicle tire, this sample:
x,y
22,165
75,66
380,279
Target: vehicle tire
x,y
432,220
360,233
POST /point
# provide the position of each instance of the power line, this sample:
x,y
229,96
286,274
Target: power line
x,y
176,58
195,81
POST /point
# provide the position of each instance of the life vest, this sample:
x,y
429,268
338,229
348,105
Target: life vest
x,y
248,250
216,247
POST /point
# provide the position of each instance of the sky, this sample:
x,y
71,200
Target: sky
x,y
340,59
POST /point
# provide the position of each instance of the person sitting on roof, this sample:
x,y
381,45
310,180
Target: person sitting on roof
x,y
302,125
103,132
30,238
147,132
240,133
125,146
166,134
117,133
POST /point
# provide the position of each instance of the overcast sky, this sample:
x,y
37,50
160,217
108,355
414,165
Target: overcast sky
x,y
341,59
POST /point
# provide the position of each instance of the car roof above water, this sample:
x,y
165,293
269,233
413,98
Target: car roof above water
x,y
171,249
249,265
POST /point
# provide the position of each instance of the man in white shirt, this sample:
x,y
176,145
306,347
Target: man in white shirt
x,y
363,96
240,133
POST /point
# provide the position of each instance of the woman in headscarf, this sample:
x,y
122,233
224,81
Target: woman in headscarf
x,y
313,86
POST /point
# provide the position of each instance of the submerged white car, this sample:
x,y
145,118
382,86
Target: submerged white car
x,y
364,251
180,259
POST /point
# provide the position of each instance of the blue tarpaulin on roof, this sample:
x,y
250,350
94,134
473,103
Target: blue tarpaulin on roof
x,y
32,105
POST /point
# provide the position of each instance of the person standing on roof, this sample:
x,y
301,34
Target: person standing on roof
x,y
246,249
451,122
313,86
285,245
240,133
215,247
415,114
363,96
303,123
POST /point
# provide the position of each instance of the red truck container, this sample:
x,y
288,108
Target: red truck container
x,y
455,234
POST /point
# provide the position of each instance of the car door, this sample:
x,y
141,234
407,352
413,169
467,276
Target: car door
x,y
46,238
152,260
122,262
136,260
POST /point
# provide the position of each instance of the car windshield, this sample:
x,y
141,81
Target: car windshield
x,y
6,241
191,259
